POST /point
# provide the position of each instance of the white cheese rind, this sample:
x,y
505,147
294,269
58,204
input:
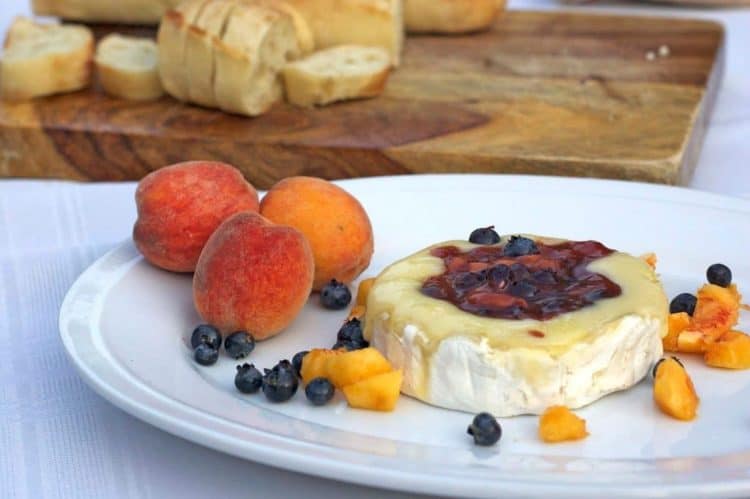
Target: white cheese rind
x,y
468,375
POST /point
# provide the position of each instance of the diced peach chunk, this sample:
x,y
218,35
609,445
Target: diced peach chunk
x,y
732,351
363,290
314,363
674,392
677,323
354,366
692,342
376,393
716,311
559,424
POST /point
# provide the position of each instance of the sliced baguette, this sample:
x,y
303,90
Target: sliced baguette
x,y
171,41
372,23
128,67
305,37
258,42
41,60
335,74
450,16
199,50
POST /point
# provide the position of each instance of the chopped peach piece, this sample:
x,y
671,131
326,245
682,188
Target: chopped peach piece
x,y
716,311
732,351
376,393
674,392
692,342
559,424
314,363
363,290
354,366
677,323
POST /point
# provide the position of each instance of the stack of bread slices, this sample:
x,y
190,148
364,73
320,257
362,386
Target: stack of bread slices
x,y
240,56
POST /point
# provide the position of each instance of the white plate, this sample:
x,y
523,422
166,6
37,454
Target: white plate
x,y
126,325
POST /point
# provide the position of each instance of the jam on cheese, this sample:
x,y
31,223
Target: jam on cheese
x,y
539,286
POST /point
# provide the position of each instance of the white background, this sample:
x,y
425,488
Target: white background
x,y
59,439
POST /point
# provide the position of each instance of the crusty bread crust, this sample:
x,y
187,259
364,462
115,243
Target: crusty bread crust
x,y
450,16
124,79
44,60
113,11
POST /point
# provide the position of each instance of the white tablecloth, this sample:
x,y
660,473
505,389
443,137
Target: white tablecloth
x,y
59,439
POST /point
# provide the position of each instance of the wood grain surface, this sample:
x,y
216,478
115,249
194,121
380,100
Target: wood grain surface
x,y
543,93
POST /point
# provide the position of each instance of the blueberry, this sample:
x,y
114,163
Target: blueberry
x,y
467,280
658,363
319,391
485,429
499,275
239,344
335,295
297,361
485,235
684,302
205,355
280,383
248,379
519,246
207,334
719,274
522,289
351,331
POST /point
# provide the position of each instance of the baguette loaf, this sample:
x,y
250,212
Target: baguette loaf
x,y
171,41
373,23
257,44
128,67
230,53
338,73
45,59
113,11
450,16
305,37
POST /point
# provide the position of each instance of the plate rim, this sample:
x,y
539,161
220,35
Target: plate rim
x,y
395,478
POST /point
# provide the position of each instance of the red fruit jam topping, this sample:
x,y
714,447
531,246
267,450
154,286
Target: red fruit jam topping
x,y
540,286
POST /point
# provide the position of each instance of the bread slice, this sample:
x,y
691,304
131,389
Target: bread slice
x,y
338,73
372,23
199,50
258,42
450,16
43,60
128,67
171,41
305,38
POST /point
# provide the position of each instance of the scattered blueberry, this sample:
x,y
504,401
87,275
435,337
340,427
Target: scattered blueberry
x,y
207,334
658,363
523,289
205,355
485,429
248,379
485,235
319,391
499,275
351,331
297,361
239,344
335,295
280,383
467,280
684,302
519,246
719,274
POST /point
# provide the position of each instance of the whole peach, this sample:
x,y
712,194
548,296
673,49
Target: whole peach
x,y
253,275
334,222
181,205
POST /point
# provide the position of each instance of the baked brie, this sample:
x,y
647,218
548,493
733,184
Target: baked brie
x,y
484,328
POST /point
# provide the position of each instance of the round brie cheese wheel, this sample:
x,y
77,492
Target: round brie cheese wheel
x,y
476,330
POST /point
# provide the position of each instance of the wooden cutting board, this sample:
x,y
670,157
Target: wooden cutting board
x,y
543,93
